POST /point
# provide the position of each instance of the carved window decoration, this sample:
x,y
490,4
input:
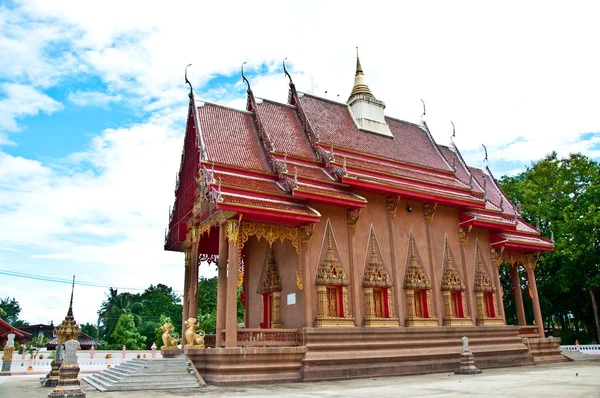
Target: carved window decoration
x,y
332,284
484,292
453,291
418,289
270,291
377,287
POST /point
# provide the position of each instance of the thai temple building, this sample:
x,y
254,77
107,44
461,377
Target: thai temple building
x,y
357,245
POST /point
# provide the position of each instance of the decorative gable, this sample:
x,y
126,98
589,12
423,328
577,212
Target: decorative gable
x,y
451,280
330,270
270,280
415,277
375,273
483,282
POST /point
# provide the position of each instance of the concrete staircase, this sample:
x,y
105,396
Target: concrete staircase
x,y
145,374
577,356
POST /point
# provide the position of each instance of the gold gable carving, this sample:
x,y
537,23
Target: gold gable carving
x,y
272,233
271,281
483,282
330,271
415,277
450,278
375,274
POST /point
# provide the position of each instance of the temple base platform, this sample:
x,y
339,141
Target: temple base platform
x,y
340,353
545,350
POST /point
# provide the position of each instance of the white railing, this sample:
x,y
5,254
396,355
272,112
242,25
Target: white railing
x,y
590,349
88,362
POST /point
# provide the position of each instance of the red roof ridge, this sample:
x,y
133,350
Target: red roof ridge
x,y
302,93
261,99
335,189
231,108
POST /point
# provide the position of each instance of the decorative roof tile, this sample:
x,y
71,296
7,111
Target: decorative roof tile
x,y
230,138
333,124
267,204
283,126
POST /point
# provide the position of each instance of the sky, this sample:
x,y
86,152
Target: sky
x,y
93,108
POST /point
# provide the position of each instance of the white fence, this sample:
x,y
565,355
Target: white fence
x,y
589,349
23,364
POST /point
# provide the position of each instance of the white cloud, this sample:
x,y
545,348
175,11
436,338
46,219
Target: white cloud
x,y
93,98
19,101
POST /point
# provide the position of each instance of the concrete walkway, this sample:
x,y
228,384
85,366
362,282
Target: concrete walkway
x,y
572,379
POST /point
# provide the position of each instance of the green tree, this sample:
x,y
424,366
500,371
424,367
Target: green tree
x,y
157,301
125,334
90,329
115,305
562,196
2,313
11,309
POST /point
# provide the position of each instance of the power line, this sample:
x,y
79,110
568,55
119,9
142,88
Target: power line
x,y
69,281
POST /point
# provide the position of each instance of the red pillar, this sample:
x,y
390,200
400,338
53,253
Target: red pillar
x,y
222,284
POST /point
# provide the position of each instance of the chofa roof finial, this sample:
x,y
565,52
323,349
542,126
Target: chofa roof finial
x,y
244,77
186,79
485,159
286,73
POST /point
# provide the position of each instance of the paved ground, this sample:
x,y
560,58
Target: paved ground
x,y
573,379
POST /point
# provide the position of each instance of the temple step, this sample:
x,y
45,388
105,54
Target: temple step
x,y
361,352
144,374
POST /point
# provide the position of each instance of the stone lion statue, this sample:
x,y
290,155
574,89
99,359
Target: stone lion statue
x,y
168,340
193,338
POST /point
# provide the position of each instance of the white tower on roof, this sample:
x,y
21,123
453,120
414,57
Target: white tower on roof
x,y
366,110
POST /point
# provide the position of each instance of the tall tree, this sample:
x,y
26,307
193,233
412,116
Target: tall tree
x,y
115,305
11,308
562,197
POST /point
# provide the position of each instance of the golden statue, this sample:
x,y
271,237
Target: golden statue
x,y
192,338
168,340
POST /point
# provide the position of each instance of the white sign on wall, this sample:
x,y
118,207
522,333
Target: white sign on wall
x,y
291,299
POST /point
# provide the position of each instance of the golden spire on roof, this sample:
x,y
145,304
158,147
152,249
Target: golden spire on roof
x,y
359,80
68,329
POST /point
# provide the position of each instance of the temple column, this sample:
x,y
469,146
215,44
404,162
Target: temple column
x,y
391,208
463,237
518,295
193,289
309,316
232,280
499,299
428,213
221,284
537,312
355,279
186,290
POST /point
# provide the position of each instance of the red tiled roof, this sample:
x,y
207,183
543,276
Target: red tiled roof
x,y
333,123
330,192
402,172
267,204
230,138
522,226
84,341
249,183
517,242
318,173
282,125
416,191
494,194
473,217
462,172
